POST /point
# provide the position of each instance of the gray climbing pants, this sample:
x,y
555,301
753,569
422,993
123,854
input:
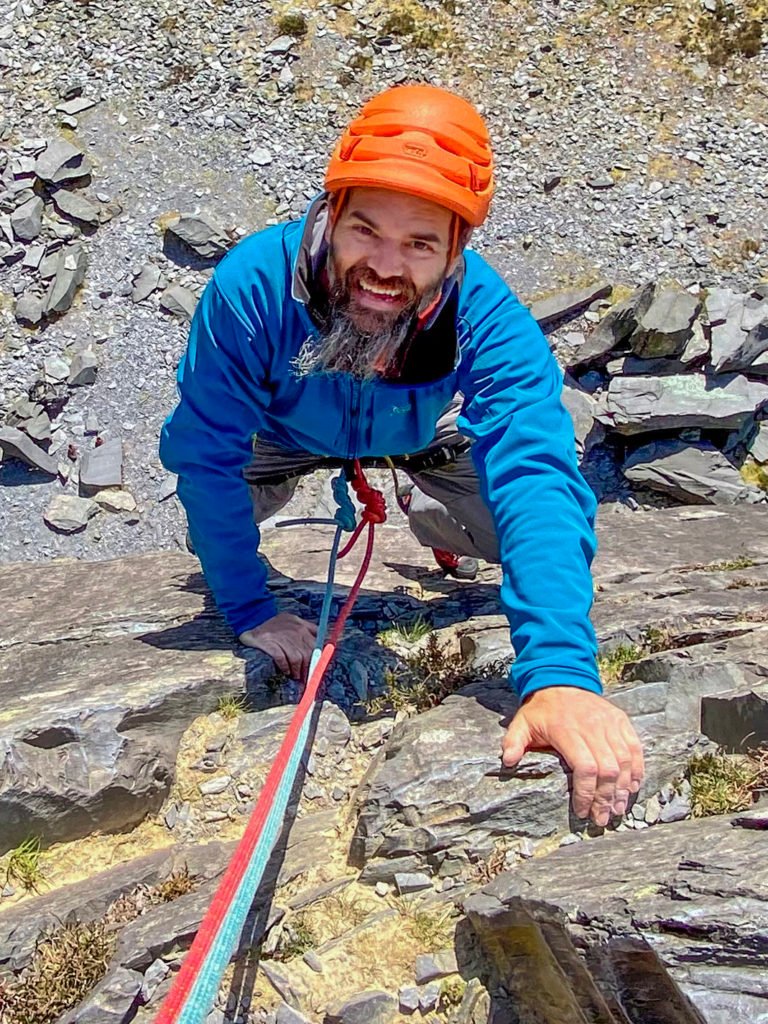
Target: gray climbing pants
x,y
446,510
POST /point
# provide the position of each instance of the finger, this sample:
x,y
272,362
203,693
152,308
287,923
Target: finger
x,y
608,773
293,655
516,740
276,653
580,759
623,783
637,770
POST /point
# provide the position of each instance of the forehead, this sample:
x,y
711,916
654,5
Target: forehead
x,y
396,212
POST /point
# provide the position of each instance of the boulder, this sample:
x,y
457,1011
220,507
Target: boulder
x,y
656,925
60,161
616,327
639,404
692,473
200,233
71,266
666,326
16,444
68,513
548,311
741,337
27,219
76,207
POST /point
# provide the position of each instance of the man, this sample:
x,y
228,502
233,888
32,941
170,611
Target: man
x,y
351,333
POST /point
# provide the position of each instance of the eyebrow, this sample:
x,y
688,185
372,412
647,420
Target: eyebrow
x,y
426,236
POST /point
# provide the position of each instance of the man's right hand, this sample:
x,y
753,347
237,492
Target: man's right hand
x,y
288,640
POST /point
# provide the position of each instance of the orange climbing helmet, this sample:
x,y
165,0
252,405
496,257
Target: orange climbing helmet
x,y
422,140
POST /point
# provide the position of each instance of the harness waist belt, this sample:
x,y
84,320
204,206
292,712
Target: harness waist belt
x,y
432,458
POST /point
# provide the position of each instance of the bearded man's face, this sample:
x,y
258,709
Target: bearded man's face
x,y
388,259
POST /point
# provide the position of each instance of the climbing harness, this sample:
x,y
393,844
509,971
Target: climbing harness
x,y
194,989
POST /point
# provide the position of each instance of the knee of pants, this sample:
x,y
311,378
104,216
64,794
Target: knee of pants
x,y
466,528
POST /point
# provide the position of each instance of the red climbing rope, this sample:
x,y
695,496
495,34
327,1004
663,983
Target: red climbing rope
x,y
182,1005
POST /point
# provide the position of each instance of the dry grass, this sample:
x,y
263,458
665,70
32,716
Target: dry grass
x,y
431,673
431,927
724,783
66,965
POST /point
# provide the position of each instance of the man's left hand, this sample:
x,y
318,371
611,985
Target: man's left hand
x,y
596,739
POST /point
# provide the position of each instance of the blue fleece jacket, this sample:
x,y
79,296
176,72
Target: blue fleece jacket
x,y
236,380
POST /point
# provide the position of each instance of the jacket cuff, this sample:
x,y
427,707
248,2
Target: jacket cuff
x,y
252,615
545,678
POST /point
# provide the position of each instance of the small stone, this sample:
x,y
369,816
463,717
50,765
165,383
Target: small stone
x,y
430,966
212,787
526,848
601,181
338,793
171,817
287,1015
371,1007
652,810
8,891
178,301
260,156
382,889
68,513
103,466
214,816
29,308
56,369
201,234
313,961
429,997
115,500
677,809
149,280
412,881
280,45
83,369
76,207
408,999
154,975
75,106
27,219
570,839
61,161
167,487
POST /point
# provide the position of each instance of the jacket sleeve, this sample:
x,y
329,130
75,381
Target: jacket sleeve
x,y
207,441
542,507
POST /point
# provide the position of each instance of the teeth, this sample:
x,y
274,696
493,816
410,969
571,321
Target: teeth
x,y
378,290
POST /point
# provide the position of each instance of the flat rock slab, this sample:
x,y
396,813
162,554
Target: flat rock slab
x,y
689,899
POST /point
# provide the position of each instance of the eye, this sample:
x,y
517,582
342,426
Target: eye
x,y
364,230
421,246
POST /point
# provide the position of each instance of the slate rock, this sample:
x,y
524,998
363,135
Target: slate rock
x,y
692,473
616,327
548,311
115,500
408,999
200,233
660,916
27,219
412,882
71,265
154,975
676,809
103,466
583,410
429,997
743,338
634,405
29,308
430,966
69,514
56,369
30,417
149,280
61,161
666,326
112,1001
83,368
370,1007
76,207
15,444
178,301
288,1015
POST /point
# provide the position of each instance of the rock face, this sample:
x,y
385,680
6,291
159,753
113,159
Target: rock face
x,y
597,924
139,652
694,473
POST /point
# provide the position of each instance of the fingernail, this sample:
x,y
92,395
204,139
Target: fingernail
x,y
619,808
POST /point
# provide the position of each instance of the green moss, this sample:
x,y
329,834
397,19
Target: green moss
x,y
723,783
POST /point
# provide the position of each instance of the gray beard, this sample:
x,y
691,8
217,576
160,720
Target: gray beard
x,y
343,348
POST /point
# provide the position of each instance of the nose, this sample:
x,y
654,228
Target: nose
x,y
386,259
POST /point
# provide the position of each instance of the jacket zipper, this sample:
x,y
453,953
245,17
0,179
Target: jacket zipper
x,y
354,417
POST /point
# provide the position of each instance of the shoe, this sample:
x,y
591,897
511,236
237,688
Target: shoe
x,y
461,567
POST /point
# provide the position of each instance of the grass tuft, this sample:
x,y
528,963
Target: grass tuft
x,y
24,865
297,937
430,926
742,562
611,664
179,883
404,633
292,23
723,783
430,674
66,965
451,994
232,707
